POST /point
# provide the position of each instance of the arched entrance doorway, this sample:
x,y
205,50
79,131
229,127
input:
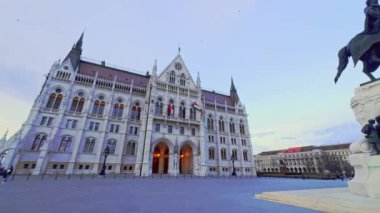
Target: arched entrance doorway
x,y
186,160
160,159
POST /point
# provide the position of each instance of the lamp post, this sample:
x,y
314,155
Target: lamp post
x,y
106,152
233,165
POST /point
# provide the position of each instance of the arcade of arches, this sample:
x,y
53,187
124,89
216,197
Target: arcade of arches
x,y
161,159
186,160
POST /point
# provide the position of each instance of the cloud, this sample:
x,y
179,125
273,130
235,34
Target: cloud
x,y
288,138
263,134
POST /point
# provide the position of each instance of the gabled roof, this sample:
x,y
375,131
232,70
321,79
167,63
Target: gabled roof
x,y
178,58
109,73
212,96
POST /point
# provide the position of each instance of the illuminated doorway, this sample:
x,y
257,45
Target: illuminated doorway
x,y
160,159
186,160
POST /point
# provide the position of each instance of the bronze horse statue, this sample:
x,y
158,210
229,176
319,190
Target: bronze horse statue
x,y
369,56
366,45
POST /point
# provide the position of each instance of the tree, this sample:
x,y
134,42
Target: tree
x,y
329,163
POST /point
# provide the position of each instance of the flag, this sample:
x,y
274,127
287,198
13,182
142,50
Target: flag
x,y
170,108
197,107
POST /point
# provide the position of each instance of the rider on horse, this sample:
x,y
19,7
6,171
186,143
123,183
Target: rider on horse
x,y
366,45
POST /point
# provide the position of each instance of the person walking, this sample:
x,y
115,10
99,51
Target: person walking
x,y
6,173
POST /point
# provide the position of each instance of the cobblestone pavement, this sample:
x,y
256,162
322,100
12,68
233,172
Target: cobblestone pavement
x,y
126,194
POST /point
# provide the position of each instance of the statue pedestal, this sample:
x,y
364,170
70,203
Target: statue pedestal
x,y
366,102
366,105
367,175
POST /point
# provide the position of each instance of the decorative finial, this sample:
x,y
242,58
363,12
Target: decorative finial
x,y
179,48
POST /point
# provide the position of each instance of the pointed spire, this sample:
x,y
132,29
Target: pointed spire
x,y
75,53
4,138
78,45
233,89
198,80
154,70
233,92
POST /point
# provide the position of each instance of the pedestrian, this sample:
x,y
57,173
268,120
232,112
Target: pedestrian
x,y
6,173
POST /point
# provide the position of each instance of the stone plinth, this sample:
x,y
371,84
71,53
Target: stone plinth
x,y
366,102
366,105
367,175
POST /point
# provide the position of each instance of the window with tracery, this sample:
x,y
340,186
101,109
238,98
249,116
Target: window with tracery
x,y
221,124
136,111
131,147
89,145
65,144
172,77
55,100
39,141
117,110
182,80
211,153
99,106
210,123
159,107
111,143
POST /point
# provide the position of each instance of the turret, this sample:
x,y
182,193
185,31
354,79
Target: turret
x,y
198,80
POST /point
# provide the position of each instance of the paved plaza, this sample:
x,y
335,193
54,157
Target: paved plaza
x,y
149,195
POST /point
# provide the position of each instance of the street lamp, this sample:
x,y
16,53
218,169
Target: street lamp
x,y
106,153
233,165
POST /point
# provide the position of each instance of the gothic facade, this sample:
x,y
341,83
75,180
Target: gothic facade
x,y
158,123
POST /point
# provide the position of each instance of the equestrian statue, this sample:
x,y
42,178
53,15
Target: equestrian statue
x,y
366,45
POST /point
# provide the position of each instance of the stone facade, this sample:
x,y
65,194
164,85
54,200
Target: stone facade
x,y
301,159
162,123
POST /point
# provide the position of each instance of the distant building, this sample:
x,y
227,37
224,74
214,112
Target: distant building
x,y
307,159
158,123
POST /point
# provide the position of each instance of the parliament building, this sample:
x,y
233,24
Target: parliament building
x,y
161,122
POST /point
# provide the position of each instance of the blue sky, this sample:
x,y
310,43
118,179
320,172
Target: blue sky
x,y
281,54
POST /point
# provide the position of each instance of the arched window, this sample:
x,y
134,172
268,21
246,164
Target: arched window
x,y
118,108
241,125
112,145
39,141
223,154
172,77
234,154
89,145
211,153
210,123
55,100
98,107
182,111
193,114
65,144
131,147
232,126
221,124
245,155
182,80
77,104
136,110
159,107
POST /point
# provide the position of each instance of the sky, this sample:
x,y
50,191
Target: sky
x,y
282,56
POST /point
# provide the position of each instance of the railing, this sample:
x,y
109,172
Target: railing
x,y
63,75
84,79
176,88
